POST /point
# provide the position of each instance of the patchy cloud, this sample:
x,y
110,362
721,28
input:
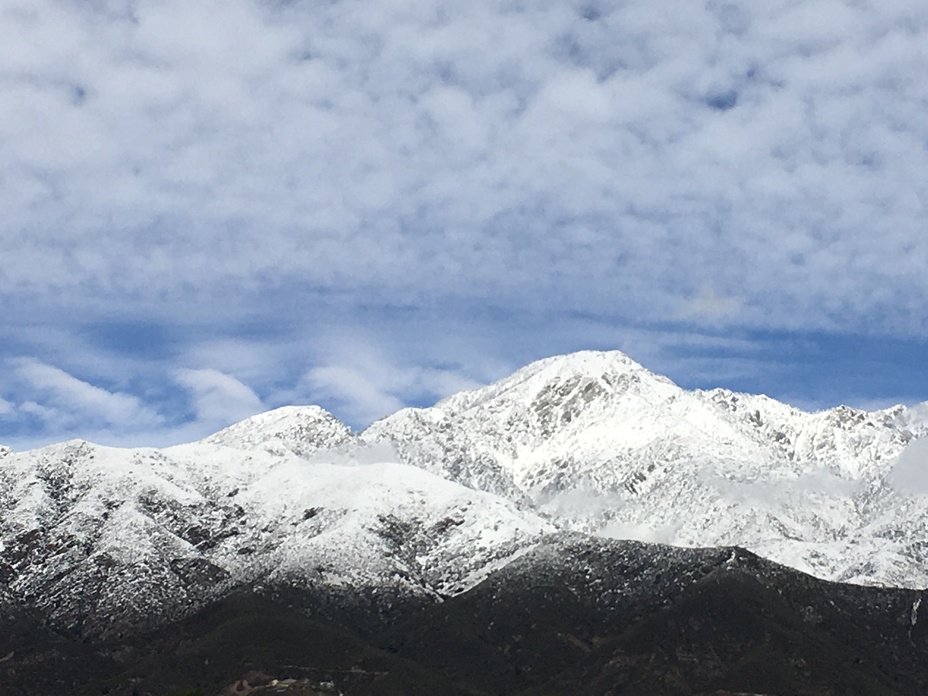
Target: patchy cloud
x,y
365,383
495,152
707,305
218,399
728,167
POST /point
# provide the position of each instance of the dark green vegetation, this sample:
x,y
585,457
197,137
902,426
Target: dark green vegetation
x,y
576,616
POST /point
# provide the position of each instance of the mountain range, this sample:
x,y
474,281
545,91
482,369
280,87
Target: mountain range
x,y
582,457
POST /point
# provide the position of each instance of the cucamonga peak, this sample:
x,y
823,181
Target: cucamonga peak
x,y
609,371
604,446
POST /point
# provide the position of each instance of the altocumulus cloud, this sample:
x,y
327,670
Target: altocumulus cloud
x,y
722,164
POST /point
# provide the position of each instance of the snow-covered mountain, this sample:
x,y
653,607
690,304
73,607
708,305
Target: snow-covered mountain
x,y
602,445
427,502
96,537
301,430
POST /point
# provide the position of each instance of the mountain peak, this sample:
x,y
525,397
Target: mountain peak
x,y
584,375
605,446
301,429
586,362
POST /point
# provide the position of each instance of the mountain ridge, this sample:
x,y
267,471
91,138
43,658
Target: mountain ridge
x,y
600,443
428,501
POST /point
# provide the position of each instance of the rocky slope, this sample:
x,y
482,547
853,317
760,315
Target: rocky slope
x,y
101,539
604,446
425,503
574,615
586,615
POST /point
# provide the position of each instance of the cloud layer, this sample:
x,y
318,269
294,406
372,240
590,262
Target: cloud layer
x,y
255,174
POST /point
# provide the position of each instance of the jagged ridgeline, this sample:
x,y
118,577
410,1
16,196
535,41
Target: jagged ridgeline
x,y
474,547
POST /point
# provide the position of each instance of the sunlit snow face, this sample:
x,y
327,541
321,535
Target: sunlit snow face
x,y
910,473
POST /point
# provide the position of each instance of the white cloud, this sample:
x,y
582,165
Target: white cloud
x,y
910,472
616,159
362,395
707,304
254,361
365,382
218,399
64,401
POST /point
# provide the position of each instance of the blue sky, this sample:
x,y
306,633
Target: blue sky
x,y
214,208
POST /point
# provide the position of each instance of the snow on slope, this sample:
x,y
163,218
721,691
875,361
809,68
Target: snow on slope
x,y
99,537
604,446
96,537
298,429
